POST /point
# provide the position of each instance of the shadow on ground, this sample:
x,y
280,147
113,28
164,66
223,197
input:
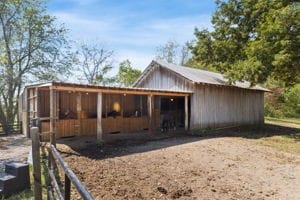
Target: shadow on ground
x,y
143,142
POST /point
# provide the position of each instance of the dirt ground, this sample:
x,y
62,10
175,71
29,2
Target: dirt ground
x,y
14,147
218,166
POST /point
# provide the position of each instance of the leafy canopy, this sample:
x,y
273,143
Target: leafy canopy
x,y
127,75
252,40
32,48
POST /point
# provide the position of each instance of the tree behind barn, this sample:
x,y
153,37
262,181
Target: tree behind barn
x,y
173,52
94,62
252,40
31,49
127,75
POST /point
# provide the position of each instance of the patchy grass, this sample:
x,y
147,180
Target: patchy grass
x,y
284,142
288,122
28,194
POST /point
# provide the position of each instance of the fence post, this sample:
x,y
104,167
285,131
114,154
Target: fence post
x,y
34,132
67,188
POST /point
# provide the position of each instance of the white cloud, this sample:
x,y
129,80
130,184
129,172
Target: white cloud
x,y
134,42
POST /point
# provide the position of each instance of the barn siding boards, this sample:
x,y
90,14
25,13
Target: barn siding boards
x,y
214,106
160,78
211,105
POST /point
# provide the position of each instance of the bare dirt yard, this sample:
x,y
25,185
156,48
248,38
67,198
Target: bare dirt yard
x,y
224,164
14,147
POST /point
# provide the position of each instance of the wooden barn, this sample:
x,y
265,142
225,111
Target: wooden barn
x,y
213,103
165,97
75,110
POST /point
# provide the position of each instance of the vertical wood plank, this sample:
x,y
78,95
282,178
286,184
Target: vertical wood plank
x,y
186,113
99,116
34,132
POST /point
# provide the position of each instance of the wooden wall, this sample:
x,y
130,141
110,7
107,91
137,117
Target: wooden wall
x,y
215,106
160,78
211,106
67,127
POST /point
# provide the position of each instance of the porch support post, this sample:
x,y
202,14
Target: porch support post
x,y
78,110
53,110
150,111
186,113
99,116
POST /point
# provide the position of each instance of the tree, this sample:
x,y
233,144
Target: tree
x,y
253,41
32,47
127,75
94,61
172,52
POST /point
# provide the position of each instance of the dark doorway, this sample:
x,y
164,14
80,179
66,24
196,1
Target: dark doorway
x,y
172,112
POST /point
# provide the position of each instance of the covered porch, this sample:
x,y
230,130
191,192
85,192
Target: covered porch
x,y
65,110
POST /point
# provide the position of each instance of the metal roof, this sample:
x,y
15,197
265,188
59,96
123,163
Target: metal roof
x,y
199,76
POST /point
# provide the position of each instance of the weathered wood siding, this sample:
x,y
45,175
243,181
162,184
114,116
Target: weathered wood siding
x,y
211,106
214,106
160,78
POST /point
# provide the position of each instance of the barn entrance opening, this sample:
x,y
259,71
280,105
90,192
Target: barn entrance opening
x,y
171,113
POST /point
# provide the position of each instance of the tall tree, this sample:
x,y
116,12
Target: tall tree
x,y
127,75
94,62
173,52
252,40
32,47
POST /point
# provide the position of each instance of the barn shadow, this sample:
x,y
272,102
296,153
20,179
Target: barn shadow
x,y
89,147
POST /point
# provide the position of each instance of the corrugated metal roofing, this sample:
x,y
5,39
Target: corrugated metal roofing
x,y
199,76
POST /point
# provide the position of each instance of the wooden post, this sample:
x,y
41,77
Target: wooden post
x,y
99,116
141,105
150,111
34,132
186,113
36,103
52,116
67,188
78,109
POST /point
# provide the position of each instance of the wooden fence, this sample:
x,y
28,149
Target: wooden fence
x,y
55,162
55,158
16,128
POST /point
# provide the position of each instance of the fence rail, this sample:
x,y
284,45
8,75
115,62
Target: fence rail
x,y
55,158
16,128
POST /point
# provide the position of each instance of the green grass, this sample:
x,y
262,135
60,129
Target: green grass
x,y
284,142
288,122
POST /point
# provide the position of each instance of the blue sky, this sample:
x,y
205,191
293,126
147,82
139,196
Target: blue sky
x,y
132,28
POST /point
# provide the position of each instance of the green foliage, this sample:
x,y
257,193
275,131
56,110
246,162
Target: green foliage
x,y
173,52
32,48
127,75
283,102
252,40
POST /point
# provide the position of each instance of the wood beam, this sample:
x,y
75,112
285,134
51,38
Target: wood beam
x,y
121,91
150,111
186,113
78,110
99,116
53,116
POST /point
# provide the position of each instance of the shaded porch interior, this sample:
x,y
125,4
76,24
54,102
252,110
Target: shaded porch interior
x,y
77,113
